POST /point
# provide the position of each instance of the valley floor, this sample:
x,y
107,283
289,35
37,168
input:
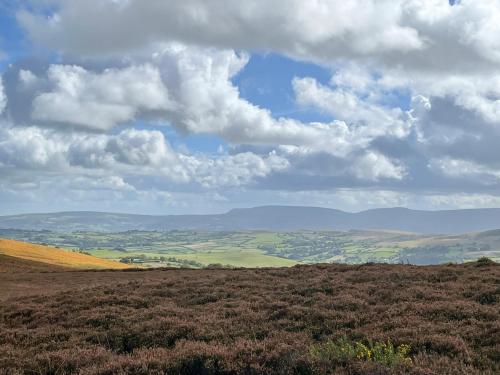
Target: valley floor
x,y
314,319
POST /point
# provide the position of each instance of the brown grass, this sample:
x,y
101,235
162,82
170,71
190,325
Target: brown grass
x,y
53,256
14,265
251,321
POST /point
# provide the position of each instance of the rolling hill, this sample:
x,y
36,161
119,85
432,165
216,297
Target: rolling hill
x,y
53,256
271,218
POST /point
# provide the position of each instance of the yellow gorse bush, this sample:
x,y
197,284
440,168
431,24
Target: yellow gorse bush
x,y
344,350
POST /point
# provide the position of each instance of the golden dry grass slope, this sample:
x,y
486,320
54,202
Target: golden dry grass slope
x,y
54,256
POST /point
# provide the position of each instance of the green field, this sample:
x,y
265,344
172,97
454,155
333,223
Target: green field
x,y
198,249
239,258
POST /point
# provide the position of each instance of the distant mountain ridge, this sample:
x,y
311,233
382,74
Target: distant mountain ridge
x,y
272,218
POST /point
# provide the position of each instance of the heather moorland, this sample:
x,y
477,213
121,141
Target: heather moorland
x,y
315,319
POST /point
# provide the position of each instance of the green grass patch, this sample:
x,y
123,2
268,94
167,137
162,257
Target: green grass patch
x,y
238,259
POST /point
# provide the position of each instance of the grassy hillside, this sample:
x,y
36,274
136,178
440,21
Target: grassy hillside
x,y
54,256
309,320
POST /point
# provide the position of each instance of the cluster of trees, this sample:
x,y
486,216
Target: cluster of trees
x,y
142,258
299,246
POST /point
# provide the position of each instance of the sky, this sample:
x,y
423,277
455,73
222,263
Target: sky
x,y
194,106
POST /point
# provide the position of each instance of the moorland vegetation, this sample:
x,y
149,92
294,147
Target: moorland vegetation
x,y
314,319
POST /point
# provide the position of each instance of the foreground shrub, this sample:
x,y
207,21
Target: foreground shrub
x,y
484,261
343,351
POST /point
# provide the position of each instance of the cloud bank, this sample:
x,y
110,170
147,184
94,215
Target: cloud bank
x,y
413,103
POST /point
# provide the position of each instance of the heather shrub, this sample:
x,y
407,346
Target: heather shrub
x,y
489,297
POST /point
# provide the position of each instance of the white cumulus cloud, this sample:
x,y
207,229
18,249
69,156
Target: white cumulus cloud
x,y
98,101
412,105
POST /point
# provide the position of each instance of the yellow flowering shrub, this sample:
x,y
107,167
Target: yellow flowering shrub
x,y
344,350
